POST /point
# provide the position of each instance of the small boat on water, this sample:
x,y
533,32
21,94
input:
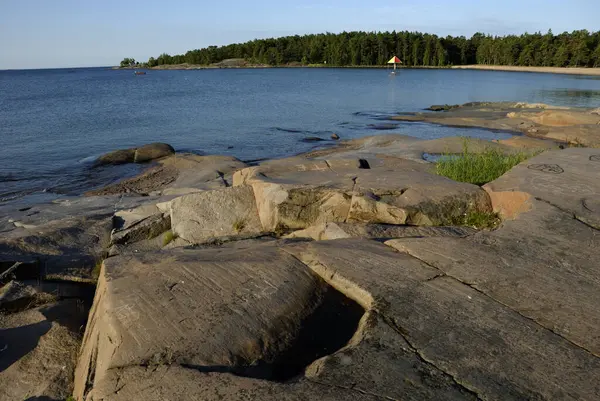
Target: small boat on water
x,y
139,72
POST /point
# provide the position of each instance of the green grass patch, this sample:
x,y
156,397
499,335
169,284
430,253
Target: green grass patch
x,y
479,168
168,237
481,220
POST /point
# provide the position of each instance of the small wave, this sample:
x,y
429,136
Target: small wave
x,y
290,130
89,159
374,115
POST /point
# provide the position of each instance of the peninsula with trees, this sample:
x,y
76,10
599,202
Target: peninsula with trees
x,y
577,49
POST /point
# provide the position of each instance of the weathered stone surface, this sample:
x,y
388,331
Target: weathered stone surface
x,y
177,175
217,310
381,362
543,265
566,178
60,250
145,229
296,196
331,231
178,383
152,151
38,351
485,346
208,214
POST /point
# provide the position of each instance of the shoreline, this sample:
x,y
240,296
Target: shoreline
x,y
545,70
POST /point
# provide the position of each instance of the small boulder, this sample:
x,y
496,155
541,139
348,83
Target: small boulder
x,y
153,151
335,137
121,156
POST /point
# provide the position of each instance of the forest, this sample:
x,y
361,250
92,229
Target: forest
x,y
575,49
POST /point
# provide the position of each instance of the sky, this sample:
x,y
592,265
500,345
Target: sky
x,y
85,33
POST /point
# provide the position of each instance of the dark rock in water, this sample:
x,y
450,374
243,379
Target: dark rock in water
x,y
121,156
442,107
312,139
143,154
335,137
153,151
383,127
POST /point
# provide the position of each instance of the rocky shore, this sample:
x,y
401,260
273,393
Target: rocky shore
x,y
344,274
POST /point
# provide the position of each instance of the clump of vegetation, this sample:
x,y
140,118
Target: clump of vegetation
x,y
476,219
239,224
97,268
70,398
479,168
481,220
168,237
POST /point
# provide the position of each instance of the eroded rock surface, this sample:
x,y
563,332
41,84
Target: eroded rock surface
x,y
576,126
298,194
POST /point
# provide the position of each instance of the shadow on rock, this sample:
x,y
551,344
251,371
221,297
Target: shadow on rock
x,y
17,342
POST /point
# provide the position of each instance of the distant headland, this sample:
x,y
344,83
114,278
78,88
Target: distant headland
x,y
575,52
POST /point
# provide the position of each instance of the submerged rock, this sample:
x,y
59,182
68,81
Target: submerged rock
x,y
444,107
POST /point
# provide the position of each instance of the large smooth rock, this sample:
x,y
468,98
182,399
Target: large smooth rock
x,y
216,310
487,347
152,151
297,195
204,215
122,156
567,179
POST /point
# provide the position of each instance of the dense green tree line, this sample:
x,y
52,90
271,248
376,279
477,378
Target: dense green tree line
x,y
575,49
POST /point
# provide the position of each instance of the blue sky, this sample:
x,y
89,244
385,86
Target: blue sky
x,y
68,33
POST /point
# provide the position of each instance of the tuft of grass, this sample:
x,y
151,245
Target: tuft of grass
x,y
476,219
479,168
70,398
239,224
96,270
482,220
168,237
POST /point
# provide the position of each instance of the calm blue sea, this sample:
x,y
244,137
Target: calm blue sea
x,y
54,122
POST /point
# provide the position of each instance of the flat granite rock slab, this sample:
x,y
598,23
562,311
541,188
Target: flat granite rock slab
x,y
383,363
544,265
568,179
485,346
200,307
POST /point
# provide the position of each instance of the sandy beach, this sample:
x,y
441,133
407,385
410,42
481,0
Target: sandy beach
x,y
551,70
